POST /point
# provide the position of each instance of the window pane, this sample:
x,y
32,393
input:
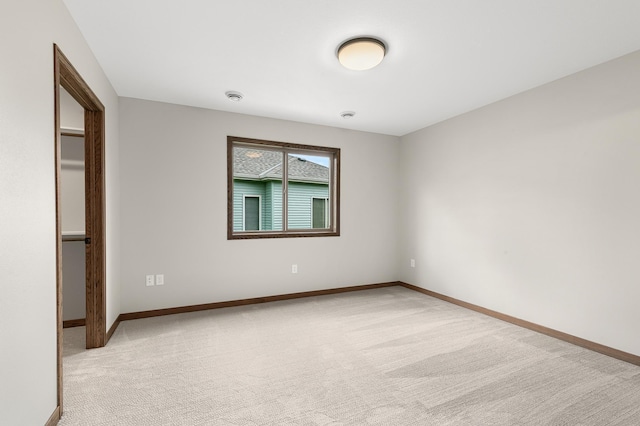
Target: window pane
x,y
308,178
257,173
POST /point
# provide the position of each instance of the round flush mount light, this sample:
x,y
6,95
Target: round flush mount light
x,y
361,53
234,96
347,114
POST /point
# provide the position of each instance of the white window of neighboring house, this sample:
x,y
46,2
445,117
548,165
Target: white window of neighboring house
x,y
252,213
278,189
319,212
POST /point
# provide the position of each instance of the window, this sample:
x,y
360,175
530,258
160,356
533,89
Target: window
x,y
320,218
278,189
251,213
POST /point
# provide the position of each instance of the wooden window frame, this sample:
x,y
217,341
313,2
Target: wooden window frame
x,y
334,189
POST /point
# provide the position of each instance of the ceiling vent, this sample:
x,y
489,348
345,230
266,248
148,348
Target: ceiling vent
x,y
234,96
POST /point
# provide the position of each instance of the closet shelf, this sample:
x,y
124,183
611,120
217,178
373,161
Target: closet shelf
x,y
73,236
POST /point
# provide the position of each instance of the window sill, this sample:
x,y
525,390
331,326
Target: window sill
x,y
280,234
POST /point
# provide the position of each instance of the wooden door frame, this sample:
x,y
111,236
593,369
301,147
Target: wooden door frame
x,y
67,76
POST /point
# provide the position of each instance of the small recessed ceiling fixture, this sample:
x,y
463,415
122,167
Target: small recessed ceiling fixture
x,y
347,114
234,96
361,53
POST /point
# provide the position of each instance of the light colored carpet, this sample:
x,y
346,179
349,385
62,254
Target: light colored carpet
x,y
388,356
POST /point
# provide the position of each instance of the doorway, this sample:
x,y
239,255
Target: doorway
x,y
67,77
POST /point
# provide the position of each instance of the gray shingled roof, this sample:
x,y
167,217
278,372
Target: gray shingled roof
x,y
266,165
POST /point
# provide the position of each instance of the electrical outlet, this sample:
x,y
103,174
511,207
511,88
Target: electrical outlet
x,y
160,279
413,263
294,269
150,280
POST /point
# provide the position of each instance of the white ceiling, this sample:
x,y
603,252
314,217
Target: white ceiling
x,y
445,57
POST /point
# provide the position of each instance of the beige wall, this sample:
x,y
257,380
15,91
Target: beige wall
x,y
72,193
174,210
74,278
71,112
28,30
530,206
72,196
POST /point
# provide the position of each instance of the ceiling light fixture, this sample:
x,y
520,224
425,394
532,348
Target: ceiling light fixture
x,y
361,53
234,96
347,114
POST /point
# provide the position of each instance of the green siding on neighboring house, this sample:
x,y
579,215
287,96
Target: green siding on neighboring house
x,y
240,189
300,202
267,212
274,194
